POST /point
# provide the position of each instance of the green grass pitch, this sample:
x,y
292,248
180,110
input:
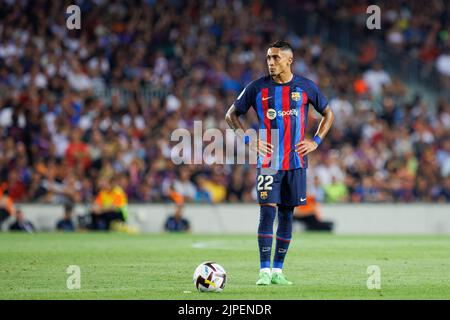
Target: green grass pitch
x,y
160,266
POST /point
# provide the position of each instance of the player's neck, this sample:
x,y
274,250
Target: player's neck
x,y
283,77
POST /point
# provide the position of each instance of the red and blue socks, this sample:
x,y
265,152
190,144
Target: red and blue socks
x,y
265,235
284,235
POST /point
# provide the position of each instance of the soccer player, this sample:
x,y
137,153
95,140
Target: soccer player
x,y
281,101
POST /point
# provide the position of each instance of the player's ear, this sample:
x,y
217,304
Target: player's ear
x,y
290,59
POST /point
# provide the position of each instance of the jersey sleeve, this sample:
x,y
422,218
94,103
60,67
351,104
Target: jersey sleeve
x,y
246,99
316,98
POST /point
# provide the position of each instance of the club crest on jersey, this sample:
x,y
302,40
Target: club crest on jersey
x,y
271,114
295,96
263,195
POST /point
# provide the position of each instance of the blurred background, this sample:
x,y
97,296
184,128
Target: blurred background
x,y
86,115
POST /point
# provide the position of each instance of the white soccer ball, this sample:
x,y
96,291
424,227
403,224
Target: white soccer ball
x,y
210,277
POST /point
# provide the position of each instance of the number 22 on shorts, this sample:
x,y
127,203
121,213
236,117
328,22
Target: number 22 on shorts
x,y
264,182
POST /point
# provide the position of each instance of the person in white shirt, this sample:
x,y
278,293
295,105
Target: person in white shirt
x,y
376,78
184,186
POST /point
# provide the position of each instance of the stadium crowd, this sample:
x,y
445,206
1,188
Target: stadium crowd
x,y
416,34
59,139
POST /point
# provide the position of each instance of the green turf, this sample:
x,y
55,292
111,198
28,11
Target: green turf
x,y
160,266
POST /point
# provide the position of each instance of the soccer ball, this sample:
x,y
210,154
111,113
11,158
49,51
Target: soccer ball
x,y
210,277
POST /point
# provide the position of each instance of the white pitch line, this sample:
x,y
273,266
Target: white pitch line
x,y
219,245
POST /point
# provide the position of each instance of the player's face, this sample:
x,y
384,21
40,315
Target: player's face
x,y
278,61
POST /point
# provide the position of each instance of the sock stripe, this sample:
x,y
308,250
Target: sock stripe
x,y
265,235
284,239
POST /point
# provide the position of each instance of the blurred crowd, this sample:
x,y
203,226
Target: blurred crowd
x,y
420,29
59,140
417,32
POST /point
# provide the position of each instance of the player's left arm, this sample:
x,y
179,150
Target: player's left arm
x,y
306,146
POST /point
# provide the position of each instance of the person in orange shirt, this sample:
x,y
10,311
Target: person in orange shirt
x,y
110,204
310,216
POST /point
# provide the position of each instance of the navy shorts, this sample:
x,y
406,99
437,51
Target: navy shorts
x,y
286,187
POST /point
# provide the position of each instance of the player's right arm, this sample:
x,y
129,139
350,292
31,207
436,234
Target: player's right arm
x,y
239,107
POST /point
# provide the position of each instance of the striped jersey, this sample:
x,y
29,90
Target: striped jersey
x,y
282,111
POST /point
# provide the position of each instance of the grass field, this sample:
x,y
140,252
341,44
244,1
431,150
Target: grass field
x,y
160,266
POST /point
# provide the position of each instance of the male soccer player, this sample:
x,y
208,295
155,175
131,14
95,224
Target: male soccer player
x,y
281,101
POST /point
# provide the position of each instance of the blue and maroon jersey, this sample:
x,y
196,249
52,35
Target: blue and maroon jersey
x,y
283,107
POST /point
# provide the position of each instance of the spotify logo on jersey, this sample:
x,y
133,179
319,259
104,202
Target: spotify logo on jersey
x,y
271,114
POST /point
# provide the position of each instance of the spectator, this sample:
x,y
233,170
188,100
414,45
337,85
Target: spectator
x,y
336,191
176,222
444,192
368,53
376,78
215,187
235,188
77,152
310,216
202,194
56,191
66,223
16,187
443,158
343,110
390,113
330,167
367,191
443,62
184,186
21,224
6,205
109,206
316,190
